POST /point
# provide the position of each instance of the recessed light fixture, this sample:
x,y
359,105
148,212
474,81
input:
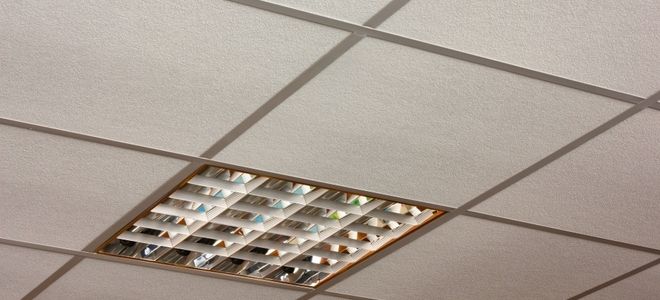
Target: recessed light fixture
x,y
234,222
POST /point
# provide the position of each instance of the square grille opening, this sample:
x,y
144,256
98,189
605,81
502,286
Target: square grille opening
x,y
261,227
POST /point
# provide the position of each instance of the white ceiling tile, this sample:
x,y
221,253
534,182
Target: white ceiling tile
x,y
405,122
65,192
174,75
95,279
469,258
23,269
613,43
641,286
356,11
608,187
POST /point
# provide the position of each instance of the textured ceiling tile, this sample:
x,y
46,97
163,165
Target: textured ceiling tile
x,y
94,279
470,258
610,43
641,286
356,11
64,192
174,75
401,121
608,187
23,269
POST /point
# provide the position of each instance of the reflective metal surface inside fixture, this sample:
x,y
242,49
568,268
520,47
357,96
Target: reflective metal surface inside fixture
x,y
245,224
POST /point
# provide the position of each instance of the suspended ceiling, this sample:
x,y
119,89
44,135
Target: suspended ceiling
x,y
534,124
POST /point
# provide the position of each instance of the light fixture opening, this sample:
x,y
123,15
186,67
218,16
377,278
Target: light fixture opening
x,y
234,222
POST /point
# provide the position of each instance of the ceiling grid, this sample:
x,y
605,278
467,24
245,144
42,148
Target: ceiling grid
x,y
487,194
409,42
357,33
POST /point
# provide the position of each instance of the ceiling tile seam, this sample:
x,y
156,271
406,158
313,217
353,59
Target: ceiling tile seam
x,y
301,80
53,277
561,232
97,139
353,297
384,13
655,105
489,193
42,247
440,50
617,279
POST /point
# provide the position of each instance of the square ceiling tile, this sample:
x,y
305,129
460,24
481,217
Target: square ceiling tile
x,y
24,269
356,11
613,44
608,187
469,258
401,121
65,192
641,286
173,75
95,279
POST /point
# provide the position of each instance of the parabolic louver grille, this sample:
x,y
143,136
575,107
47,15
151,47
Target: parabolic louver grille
x,y
245,224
